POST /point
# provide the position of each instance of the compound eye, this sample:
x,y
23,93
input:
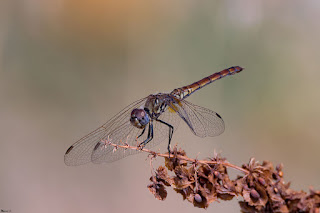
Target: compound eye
x,y
139,118
138,113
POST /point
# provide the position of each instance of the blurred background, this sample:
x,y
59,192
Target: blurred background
x,y
67,66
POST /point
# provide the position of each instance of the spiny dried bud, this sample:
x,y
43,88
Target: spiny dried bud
x,y
173,162
184,177
226,191
158,190
198,198
262,181
254,194
216,174
280,174
162,176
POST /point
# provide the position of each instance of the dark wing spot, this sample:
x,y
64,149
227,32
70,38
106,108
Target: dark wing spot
x,y
70,148
218,115
96,146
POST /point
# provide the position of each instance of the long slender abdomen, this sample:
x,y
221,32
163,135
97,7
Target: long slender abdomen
x,y
185,91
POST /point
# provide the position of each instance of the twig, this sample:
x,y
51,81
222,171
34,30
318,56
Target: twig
x,y
180,157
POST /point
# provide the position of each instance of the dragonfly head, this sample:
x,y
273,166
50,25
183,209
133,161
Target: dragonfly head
x,y
139,118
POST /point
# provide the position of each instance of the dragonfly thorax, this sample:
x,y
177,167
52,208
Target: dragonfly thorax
x,y
156,104
139,118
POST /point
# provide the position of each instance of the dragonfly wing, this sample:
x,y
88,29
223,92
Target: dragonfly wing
x,y
83,151
122,135
128,134
80,152
202,122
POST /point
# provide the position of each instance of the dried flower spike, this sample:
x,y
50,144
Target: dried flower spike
x,y
202,182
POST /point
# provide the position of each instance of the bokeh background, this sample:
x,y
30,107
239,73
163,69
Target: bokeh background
x,y
66,66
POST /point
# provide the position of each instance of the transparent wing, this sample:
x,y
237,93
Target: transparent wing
x,y
128,133
202,122
81,151
119,130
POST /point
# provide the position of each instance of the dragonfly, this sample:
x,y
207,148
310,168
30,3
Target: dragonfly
x,y
149,121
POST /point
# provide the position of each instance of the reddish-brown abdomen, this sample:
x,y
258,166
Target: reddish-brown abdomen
x,y
187,90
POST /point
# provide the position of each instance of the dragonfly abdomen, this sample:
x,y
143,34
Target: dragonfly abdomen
x,y
185,91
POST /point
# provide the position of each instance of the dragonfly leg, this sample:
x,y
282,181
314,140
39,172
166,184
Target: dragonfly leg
x,y
150,136
144,129
170,133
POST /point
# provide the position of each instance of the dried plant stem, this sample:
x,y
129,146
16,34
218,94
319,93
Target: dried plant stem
x,y
180,157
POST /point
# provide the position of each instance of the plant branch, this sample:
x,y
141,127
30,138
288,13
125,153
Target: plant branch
x,y
180,157
202,182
